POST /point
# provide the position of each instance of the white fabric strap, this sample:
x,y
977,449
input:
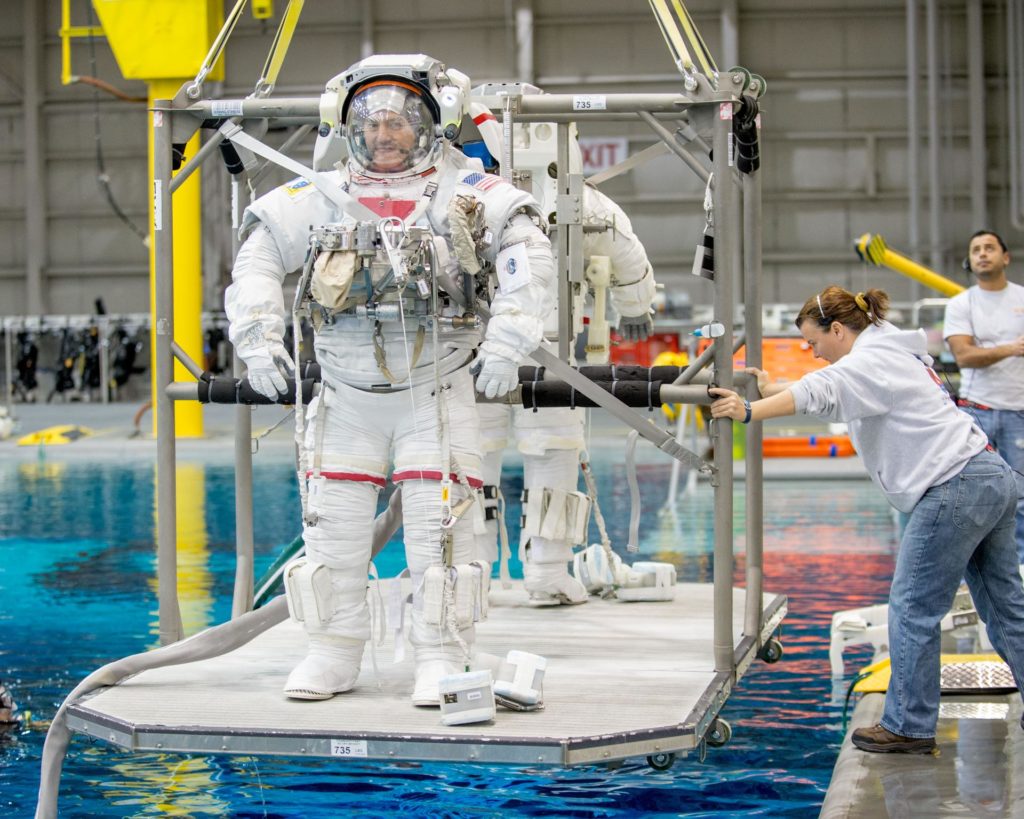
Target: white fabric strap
x,y
358,211
553,523
378,623
396,613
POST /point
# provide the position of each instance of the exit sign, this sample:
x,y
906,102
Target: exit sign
x,y
601,153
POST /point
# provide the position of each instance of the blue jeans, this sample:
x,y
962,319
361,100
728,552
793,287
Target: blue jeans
x,y
962,528
1005,431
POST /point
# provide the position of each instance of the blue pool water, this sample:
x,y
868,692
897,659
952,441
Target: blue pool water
x,y
77,590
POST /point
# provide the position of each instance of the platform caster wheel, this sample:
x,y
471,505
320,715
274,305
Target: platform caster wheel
x,y
720,733
771,652
661,762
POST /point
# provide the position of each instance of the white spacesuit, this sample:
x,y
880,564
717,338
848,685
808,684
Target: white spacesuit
x,y
551,439
394,354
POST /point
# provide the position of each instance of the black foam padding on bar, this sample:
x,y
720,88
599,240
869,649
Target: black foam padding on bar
x,y
610,372
240,391
538,394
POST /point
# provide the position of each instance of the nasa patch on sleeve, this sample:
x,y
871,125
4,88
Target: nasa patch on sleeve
x,y
513,268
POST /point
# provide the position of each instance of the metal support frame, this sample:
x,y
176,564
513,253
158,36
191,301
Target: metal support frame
x,y
171,629
570,241
242,596
739,249
754,462
723,195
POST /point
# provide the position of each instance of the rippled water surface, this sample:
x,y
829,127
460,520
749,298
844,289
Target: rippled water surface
x,y
77,590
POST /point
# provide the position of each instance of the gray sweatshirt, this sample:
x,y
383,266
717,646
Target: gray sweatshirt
x,y
908,432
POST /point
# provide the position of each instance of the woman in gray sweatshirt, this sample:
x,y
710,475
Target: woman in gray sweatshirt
x,y
933,462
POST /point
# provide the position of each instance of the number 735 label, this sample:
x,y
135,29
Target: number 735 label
x,y
588,102
348,748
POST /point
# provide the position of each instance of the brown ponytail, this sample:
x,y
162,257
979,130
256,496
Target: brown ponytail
x,y
855,311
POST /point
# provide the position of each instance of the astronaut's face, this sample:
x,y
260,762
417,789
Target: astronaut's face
x,y
390,141
389,128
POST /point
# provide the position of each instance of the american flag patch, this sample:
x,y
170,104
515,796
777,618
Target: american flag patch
x,y
483,181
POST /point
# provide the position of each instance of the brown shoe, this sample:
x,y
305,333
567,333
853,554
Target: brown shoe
x,y
878,740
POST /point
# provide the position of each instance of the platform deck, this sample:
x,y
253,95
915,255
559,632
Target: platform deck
x,y
623,680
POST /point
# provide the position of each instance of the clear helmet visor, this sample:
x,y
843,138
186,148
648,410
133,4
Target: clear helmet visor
x,y
389,128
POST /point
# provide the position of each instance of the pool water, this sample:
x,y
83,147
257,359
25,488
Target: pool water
x,y
78,590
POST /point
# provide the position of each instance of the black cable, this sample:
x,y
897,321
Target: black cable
x,y
102,177
849,691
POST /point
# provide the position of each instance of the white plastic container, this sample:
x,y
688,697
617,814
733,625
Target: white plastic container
x,y
521,677
648,581
467,698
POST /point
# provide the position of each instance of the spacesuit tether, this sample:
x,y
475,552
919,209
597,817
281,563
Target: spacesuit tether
x,y
395,353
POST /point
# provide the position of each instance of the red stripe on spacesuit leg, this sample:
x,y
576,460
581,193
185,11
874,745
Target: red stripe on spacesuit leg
x,y
430,475
358,477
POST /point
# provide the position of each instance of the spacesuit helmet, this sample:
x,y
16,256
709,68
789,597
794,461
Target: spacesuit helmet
x,y
415,98
390,128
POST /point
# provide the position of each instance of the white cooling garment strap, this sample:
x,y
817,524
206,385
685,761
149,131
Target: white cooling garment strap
x,y
396,613
234,133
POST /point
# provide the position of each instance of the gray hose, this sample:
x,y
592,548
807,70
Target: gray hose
x,y
633,543
211,642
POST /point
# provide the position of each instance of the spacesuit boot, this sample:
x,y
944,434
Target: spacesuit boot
x,y
331,605
437,655
546,574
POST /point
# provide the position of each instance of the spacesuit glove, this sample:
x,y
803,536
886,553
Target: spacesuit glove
x,y
636,328
495,374
268,366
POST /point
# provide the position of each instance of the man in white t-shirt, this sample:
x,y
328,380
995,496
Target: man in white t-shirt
x,y
985,332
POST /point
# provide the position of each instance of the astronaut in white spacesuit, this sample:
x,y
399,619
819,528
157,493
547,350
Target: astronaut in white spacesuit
x,y
551,439
395,354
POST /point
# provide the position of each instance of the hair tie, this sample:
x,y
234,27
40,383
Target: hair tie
x,y
861,303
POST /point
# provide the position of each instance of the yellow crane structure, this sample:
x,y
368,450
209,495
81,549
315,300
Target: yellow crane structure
x,y
164,43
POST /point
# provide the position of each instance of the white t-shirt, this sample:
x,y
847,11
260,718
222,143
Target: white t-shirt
x,y
992,317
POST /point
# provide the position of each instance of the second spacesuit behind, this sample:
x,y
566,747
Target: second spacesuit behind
x,y
396,380
552,439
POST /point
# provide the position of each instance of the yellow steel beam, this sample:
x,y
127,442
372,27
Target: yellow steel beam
x,y
872,248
